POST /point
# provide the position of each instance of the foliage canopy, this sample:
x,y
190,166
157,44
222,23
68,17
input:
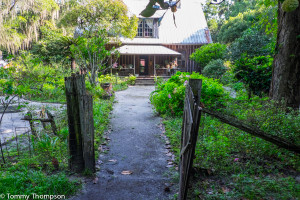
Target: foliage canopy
x,y
109,15
209,52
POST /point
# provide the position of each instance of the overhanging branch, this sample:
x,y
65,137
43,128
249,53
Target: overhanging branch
x,y
216,2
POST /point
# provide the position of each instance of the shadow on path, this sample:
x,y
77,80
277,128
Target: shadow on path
x,y
136,146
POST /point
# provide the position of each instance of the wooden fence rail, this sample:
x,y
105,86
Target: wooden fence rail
x,y
190,127
253,131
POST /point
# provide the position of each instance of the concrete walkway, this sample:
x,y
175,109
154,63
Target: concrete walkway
x,y
135,146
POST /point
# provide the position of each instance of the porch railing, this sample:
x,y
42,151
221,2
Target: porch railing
x,y
123,71
167,71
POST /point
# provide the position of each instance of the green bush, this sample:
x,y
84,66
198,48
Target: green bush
x,y
214,69
168,98
208,52
97,91
255,72
131,80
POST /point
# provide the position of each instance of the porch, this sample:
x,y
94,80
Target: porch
x,y
146,60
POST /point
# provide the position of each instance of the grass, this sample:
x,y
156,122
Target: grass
x,y
21,179
101,109
231,164
33,171
120,87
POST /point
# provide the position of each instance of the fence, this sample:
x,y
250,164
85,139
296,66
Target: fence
x,y
191,121
190,127
23,143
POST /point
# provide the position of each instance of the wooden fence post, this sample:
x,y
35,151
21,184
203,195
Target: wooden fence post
x,y
2,151
52,122
190,128
31,123
81,125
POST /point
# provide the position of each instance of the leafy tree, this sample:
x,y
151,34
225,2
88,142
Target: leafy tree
x,y
286,68
234,27
91,54
55,49
209,52
267,17
217,15
110,15
252,43
20,21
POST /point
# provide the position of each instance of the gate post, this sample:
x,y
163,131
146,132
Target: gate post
x,y
81,124
190,128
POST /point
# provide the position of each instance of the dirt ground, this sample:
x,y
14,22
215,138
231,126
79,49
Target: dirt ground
x,y
135,148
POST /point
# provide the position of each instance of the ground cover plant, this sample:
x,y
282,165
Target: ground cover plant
x,y
229,163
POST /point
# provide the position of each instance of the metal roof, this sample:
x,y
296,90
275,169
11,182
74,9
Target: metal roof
x,y
146,50
190,21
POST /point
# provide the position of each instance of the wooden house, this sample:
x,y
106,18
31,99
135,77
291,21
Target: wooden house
x,y
161,47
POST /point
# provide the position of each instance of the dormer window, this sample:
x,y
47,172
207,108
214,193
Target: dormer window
x,y
145,28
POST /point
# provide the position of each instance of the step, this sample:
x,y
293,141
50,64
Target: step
x,y
144,81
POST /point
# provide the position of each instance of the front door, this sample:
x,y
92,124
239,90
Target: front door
x,y
143,65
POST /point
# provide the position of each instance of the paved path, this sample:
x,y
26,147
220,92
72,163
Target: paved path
x,y
136,146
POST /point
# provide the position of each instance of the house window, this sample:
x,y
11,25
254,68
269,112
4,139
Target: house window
x,y
145,28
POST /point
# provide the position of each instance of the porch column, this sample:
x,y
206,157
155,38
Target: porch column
x,y
154,66
134,64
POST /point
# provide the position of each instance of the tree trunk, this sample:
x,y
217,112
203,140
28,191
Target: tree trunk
x,y
73,64
285,82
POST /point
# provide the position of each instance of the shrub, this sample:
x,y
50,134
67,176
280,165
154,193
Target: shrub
x,y
96,91
255,72
131,80
214,69
168,98
209,52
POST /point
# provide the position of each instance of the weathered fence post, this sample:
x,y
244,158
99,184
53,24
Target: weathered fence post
x,y
190,128
52,122
2,151
81,124
28,116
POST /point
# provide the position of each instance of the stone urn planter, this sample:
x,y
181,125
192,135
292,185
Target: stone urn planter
x,y
107,87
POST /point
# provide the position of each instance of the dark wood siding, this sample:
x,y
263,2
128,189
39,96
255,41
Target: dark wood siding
x,y
186,51
137,64
151,66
